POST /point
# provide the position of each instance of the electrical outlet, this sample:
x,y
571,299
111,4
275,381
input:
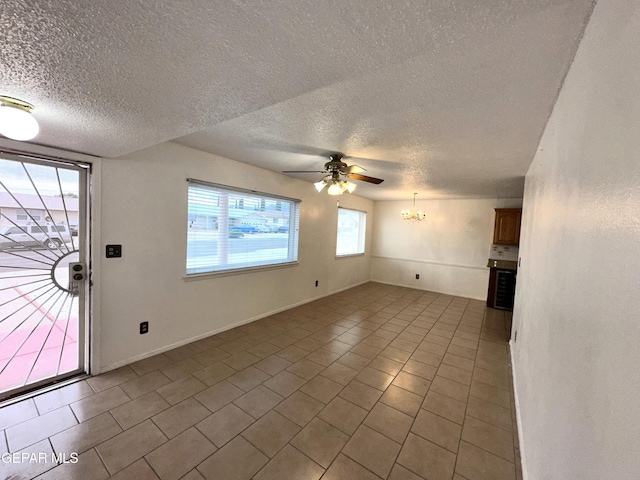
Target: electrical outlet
x,y
144,328
417,276
316,283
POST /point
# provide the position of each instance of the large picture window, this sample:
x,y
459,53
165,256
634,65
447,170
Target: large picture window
x,y
352,227
233,229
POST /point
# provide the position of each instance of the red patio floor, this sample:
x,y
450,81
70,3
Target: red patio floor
x,y
34,344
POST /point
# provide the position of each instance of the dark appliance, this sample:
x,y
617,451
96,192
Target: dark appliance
x,y
505,289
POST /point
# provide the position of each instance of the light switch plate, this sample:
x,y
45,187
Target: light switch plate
x,y
114,251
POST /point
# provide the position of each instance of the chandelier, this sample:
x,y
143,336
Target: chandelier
x,y
413,215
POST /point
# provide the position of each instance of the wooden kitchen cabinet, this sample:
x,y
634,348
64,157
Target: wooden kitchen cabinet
x,y
507,226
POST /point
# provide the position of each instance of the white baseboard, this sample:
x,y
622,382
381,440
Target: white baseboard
x,y
181,343
523,461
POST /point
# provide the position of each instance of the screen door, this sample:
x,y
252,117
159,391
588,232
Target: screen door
x,y
43,272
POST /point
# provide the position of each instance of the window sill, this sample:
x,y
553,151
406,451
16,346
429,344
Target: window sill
x,y
239,271
349,255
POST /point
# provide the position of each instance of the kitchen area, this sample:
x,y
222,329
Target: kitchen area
x,y
503,258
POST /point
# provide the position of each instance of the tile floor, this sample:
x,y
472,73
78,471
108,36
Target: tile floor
x,y
373,382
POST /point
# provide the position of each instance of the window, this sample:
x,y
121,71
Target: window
x,y
233,229
36,215
352,226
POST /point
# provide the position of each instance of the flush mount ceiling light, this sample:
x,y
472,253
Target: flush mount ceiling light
x,y
413,215
16,121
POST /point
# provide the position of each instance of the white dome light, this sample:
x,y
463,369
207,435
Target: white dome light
x,y
16,121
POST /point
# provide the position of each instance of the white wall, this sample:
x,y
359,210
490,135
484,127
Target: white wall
x,y
144,208
577,355
449,249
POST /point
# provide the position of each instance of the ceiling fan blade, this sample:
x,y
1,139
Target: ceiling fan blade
x,y
304,171
364,178
352,169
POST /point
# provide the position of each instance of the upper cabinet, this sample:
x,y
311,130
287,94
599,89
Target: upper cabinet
x,y
507,227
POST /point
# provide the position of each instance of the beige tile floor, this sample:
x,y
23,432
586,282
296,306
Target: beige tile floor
x,y
373,382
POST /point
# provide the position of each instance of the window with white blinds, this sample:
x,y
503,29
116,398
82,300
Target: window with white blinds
x,y
232,229
352,228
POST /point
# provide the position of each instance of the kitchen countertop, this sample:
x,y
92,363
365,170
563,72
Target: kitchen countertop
x,y
502,264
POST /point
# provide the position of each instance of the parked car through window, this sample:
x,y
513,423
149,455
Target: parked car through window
x,y
34,236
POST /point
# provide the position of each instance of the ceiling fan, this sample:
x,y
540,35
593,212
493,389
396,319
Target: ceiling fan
x,y
333,170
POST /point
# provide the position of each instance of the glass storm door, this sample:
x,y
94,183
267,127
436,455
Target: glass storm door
x,y
43,274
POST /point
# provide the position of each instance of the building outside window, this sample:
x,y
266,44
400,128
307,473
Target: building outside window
x,y
31,216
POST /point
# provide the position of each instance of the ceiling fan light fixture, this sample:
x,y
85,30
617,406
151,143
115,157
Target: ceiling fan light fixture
x,y
334,170
413,215
16,121
338,187
335,188
320,185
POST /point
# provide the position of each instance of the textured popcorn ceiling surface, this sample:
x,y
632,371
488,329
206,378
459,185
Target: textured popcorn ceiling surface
x,y
444,98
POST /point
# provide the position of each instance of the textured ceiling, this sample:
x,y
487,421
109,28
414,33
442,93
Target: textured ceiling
x,y
444,98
